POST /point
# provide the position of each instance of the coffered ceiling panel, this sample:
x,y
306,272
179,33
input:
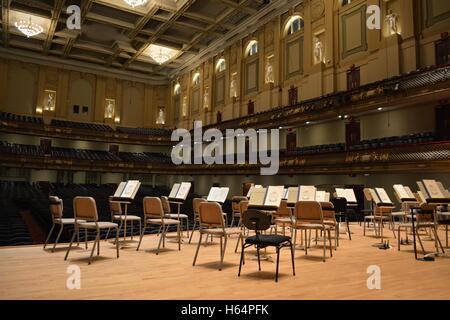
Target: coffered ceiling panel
x,y
114,34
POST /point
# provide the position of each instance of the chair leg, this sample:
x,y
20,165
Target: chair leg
x,y
446,236
329,240
107,233
420,240
198,247
98,243
57,238
77,231
348,230
324,247
117,241
278,263
364,230
232,221
86,238
192,231
223,251
294,236
438,240
292,258
259,259
140,237
237,242
93,247
398,237
306,242
132,230
179,236
49,234
161,238
241,261
70,246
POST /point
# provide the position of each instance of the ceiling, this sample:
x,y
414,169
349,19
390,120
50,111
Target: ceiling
x,y
115,35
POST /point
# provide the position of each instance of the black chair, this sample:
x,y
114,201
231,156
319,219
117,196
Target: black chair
x,y
258,221
340,210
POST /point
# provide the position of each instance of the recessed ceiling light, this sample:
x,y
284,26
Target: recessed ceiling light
x,y
135,3
380,108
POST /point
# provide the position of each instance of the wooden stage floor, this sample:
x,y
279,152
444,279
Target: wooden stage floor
x,y
28,272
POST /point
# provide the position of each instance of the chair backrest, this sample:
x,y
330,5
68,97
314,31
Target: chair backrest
x,y
196,204
235,202
340,205
56,207
328,210
257,220
243,205
283,209
165,204
85,208
115,207
308,211
210,214
426,213
153,207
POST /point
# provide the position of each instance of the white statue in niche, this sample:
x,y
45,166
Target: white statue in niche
x,y
392,20
206,99
50,101
184,107
233,89
318,50
110,109
269,73
161,119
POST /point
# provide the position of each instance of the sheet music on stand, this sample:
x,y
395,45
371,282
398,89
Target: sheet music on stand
x,y
322,196
253,187
266,198
348,194
404,193
180,191
217,194
433,192
307,193
126,191
384,201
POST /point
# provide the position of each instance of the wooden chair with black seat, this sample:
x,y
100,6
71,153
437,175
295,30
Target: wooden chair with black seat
x,y
86,217
115,209
154,215
309,216
235,211
260,221
56,210
177,216
340,212
243,206
212,223
283,217
195,208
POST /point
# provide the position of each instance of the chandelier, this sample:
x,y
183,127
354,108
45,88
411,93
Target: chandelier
x,y
29,28
160,54
135,3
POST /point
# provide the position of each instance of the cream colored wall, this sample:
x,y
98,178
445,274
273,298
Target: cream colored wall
x,y
22,87
382,55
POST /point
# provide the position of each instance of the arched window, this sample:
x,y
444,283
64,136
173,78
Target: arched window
x,y
294,24
196,79
252,48
177,89
221,65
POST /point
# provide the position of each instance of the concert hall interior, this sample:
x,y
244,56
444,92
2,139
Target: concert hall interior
x,y
225,149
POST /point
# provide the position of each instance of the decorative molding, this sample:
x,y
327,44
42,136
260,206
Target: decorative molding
x,y
430,19
363,47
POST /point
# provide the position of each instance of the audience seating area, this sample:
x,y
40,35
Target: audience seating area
x,y
365,144
81,125
145,131
14,117
90,155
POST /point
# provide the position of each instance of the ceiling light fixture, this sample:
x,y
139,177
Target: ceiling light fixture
x,y
135,3
161,54
29,28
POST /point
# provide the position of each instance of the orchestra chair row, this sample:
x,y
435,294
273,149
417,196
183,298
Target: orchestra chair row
x,y
154,214
86,217
260,221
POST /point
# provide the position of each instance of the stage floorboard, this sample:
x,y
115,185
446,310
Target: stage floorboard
x,y
28,272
